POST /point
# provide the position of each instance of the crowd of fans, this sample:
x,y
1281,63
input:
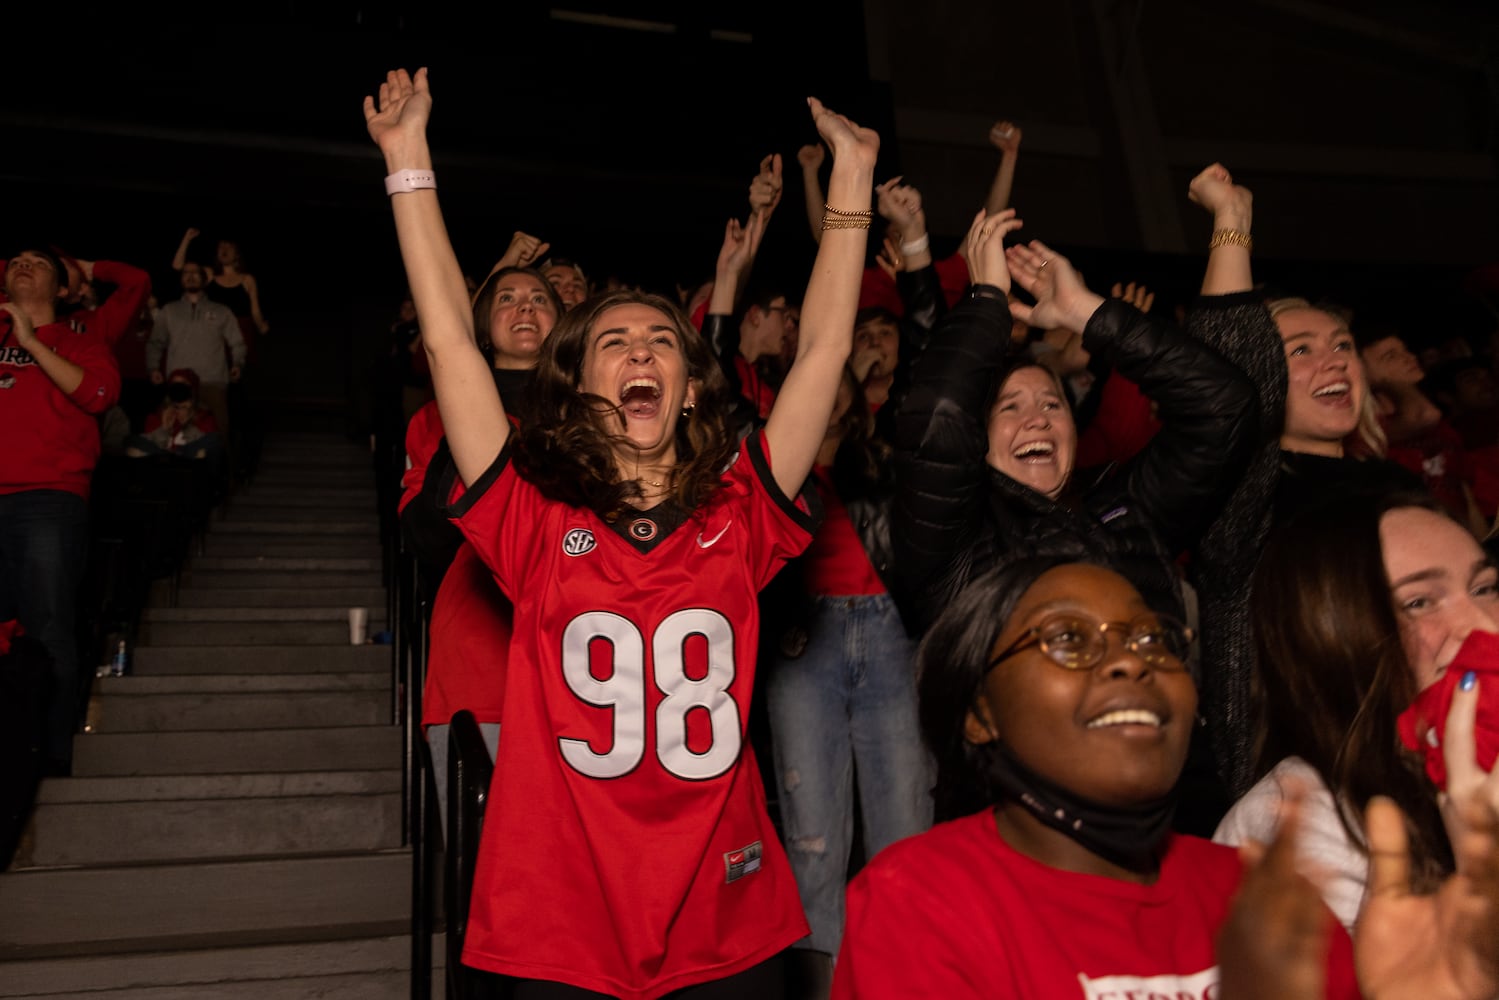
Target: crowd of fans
x,y
125,431
958,541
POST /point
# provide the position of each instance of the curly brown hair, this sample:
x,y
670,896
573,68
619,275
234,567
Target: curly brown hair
x,y
567,444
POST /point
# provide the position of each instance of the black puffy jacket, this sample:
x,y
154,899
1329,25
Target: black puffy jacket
x,y
956,518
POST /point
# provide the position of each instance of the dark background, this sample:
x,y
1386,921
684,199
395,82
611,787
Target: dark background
x,y
627,141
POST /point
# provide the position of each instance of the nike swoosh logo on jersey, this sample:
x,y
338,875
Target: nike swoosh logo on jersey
x,y
709,543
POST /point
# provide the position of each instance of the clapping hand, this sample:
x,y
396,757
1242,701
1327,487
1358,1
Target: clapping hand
x,y
889,258
984,248
1275,940
1061,297
1444,945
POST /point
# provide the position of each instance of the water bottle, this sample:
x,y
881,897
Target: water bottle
x,y
118,664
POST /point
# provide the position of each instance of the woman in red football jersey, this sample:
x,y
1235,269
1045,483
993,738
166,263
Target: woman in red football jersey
x,y
626,849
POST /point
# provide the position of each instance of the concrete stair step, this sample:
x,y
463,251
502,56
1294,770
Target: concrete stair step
x,y
198,711
165,660
374,967
318,613
240,512
350,498
362,815
312,477
358,525
237,751
316,458
199,596
133,908
253,633
285,684
291,546
256,564
200,579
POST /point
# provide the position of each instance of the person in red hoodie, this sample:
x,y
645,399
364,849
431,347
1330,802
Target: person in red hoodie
x,y
56,377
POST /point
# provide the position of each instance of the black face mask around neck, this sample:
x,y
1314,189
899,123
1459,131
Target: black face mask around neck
x,y
1126,836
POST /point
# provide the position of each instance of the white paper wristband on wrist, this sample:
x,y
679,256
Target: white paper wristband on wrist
x,y
915,246
409,180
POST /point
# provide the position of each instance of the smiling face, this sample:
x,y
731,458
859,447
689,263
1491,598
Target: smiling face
x,y
520,318
1326,388
1115,734
633,359
569,283
1443,586
1032,438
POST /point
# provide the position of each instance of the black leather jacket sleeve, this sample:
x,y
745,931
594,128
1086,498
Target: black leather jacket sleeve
x,y
941,478
1206,406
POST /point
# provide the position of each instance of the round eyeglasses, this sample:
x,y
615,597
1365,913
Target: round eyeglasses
x,y
1076,643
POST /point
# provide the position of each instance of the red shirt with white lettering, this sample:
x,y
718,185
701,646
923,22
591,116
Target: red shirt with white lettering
x,y
958,913
626,845
52,437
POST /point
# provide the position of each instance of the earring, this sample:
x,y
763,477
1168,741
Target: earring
x,y
687,407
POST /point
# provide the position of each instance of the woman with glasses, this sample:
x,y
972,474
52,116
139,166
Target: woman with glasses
x,y
986,442
1060,712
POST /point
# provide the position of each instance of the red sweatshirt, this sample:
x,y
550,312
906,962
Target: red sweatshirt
x,y
52,437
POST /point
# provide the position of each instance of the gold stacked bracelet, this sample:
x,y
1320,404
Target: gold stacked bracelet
x,y
1231,237
836,219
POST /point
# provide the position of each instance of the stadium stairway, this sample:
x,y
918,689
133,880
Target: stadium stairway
x,y
232,827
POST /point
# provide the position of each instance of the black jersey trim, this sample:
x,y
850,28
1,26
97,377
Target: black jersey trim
x,y
667,516
471,496
808,519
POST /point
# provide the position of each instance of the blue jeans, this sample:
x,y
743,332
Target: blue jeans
x,y
846,706
43,549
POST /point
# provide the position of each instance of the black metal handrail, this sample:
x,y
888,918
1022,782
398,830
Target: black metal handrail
x,y
469,774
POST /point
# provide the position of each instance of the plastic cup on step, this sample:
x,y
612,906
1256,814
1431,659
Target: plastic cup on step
x,y
359,621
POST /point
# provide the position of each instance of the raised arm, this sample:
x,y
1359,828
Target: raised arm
x,y
941,430
472,413
798,423
1205,404
810,158
1005,137
1232,208
180,257
900,205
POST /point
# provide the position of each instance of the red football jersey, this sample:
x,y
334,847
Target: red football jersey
x,y
470,644
626,846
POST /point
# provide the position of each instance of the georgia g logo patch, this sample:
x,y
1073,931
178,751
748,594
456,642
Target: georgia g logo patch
x,y
577,542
